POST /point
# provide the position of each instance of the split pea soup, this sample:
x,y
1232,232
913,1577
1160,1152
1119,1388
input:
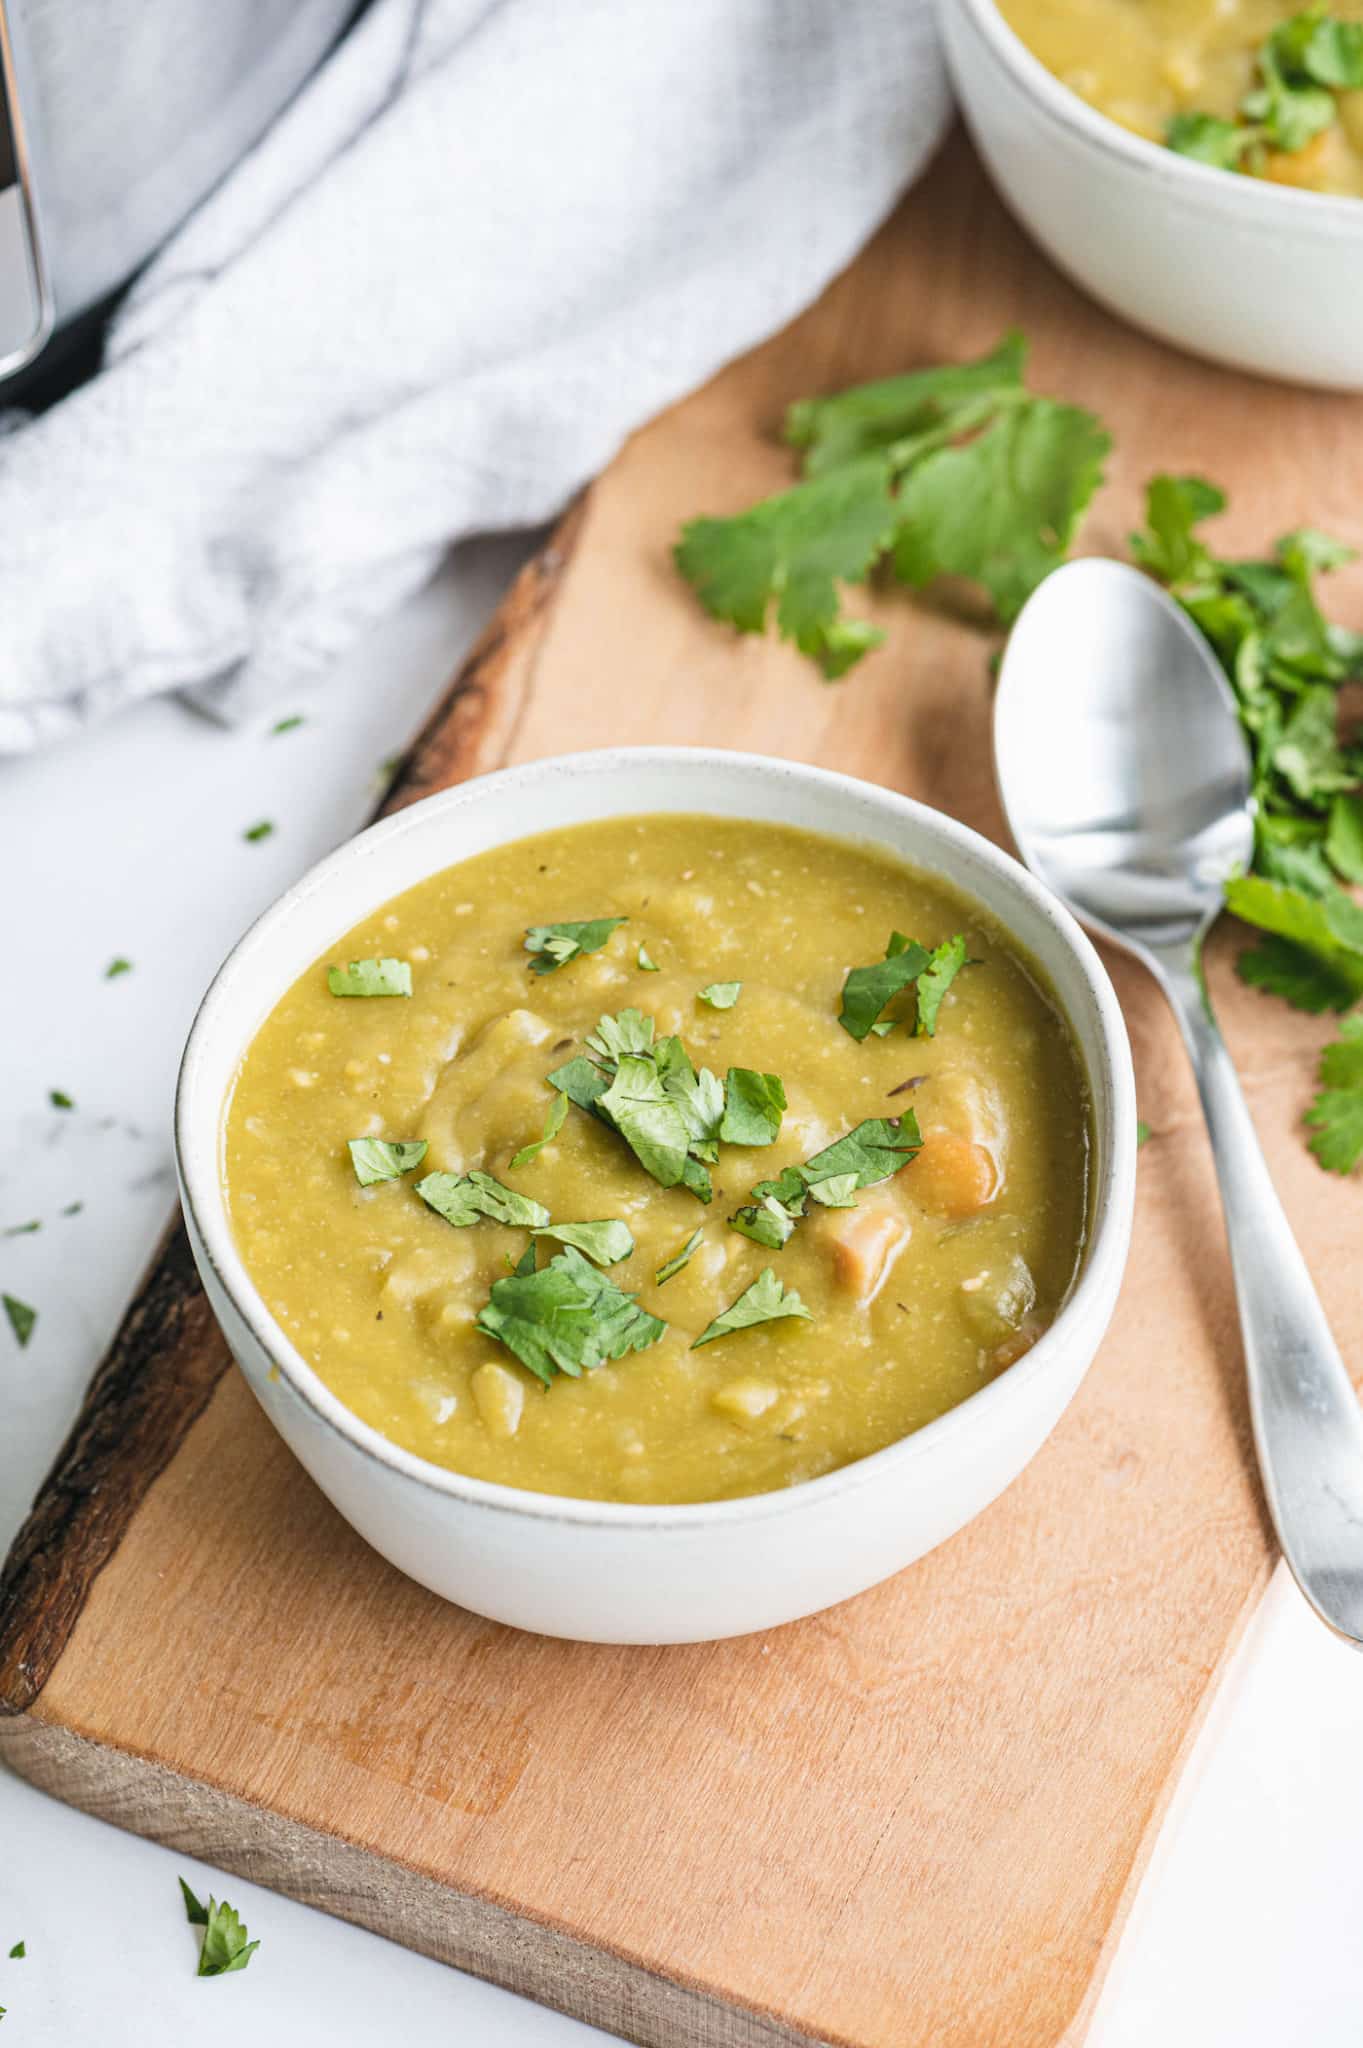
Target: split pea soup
x,y
662,1159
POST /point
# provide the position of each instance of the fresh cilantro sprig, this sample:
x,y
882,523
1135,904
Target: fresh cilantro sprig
x,y
954,471
566,1318
1298,69
868,990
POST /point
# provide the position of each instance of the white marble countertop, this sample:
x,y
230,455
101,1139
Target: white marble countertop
x,y
1248,1932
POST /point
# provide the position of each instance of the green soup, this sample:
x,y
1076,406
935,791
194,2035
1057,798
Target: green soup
x,y
923,1272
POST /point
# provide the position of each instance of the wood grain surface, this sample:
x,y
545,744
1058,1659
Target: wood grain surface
x,y
915,1821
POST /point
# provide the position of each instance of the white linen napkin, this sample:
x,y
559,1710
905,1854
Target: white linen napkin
x,y
487,240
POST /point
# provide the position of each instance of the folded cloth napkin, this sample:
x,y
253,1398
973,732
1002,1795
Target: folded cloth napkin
x,y
487,240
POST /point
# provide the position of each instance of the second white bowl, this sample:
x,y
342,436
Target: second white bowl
x,y
1252,274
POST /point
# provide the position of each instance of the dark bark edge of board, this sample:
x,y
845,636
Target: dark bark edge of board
x,y
168,1355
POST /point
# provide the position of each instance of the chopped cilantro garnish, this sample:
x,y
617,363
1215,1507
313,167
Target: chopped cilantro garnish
x,y
73,1208
118,965
867,990
567,1318
629,1031
603,1243
289,724
18,1952
371,978
464,1198
21,1318
22,1229
553,1124
225,1947
650,1120
645,961
376,1159
1142,1132
1336,1114
674,1265
945,964
869,1153
59,1099
254,833
753,1107
955,471
720,995
1299,66
554,945
766,1301
650,1093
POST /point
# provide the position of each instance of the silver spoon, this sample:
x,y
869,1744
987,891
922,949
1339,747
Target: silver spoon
x,y
1126,781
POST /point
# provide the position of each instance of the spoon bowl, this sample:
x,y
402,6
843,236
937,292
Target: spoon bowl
x,y
1126,780
1123,768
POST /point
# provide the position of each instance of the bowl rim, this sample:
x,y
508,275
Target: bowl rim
x,y
1109,1077
1269,205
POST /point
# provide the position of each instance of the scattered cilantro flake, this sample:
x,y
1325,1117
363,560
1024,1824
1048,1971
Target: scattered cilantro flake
x,y
255,833
553,1124
376,1159
1142,1132
225,1946
289,724
720,995
945,964
385,977
21,1318
22,1229
464,1198
674,1265
566,1318
766,1221
118,965
73,1208
958,470
605,1244
18,1952
754,1105
554,945
766,1301
867,990
59,1099
645,962
1336,1114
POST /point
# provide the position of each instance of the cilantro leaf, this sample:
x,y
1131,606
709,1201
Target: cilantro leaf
x,y
1174,507
793,551
1209,140
376,1159
18,1952
697,1093
1002,508
835,1191
567,1318
648,1119
1344,837
464,1198
22,1318
554,945
255,833
679,1259
867,990
946,963
1336,1114
1324,968
835,430
59,1099
720,995
225,1946
604,1243
118,965
754,1105
645,962
1331,51
553,1124
580,1081
766,1301
629,1031
385,977
869,1153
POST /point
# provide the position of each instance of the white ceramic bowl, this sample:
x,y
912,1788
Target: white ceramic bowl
x,y
595,1570
1252,274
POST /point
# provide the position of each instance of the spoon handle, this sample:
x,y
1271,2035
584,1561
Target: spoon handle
x,y
1308,1427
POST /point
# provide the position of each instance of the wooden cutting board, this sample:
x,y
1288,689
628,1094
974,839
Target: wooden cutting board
x,y
915,1821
